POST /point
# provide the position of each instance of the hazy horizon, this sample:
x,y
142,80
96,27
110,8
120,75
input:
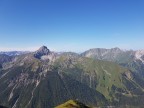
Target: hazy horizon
x,y
31,49
71,25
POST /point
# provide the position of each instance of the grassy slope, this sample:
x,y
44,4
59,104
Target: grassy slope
x,y
53,89
107,73
104,76
110,79
72,104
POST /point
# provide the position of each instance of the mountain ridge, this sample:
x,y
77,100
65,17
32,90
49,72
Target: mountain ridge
x,y
60,77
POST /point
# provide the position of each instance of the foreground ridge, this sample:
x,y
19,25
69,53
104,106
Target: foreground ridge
x,y
72,104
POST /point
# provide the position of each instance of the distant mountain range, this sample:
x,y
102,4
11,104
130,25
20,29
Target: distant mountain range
x,y
134,60
97,78
14,53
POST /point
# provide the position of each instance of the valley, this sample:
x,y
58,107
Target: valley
x,y
96,78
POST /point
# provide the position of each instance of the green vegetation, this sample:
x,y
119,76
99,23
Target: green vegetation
x,y
34,83
72,104
104,74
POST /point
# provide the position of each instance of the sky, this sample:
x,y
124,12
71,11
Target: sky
x,y
71,25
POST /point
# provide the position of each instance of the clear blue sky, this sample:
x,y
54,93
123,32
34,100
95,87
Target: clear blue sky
x,y
71,25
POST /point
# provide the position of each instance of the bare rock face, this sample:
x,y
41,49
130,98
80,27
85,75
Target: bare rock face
x,y
103,54
129,75
139,55
5,58
41,52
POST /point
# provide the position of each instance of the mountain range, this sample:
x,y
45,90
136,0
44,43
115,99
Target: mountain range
x,y
97,78
134,60
14,53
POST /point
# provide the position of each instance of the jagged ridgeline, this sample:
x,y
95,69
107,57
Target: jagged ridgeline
x,y
134,60
45,79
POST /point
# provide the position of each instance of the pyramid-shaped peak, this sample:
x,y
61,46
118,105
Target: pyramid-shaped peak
x,y
43,50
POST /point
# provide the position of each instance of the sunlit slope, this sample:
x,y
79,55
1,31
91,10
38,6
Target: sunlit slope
x,y
107,77
72,104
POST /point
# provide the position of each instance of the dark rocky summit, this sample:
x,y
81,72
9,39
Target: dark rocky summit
x,y
41,52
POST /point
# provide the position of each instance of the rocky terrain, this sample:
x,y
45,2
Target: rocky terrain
x,y
134,60
97,78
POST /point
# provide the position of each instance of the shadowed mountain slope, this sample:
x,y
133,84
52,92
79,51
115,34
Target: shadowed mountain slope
x,y
45,79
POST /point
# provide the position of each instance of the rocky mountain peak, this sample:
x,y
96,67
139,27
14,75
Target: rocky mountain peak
x,y
41,52
43,49
140,55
